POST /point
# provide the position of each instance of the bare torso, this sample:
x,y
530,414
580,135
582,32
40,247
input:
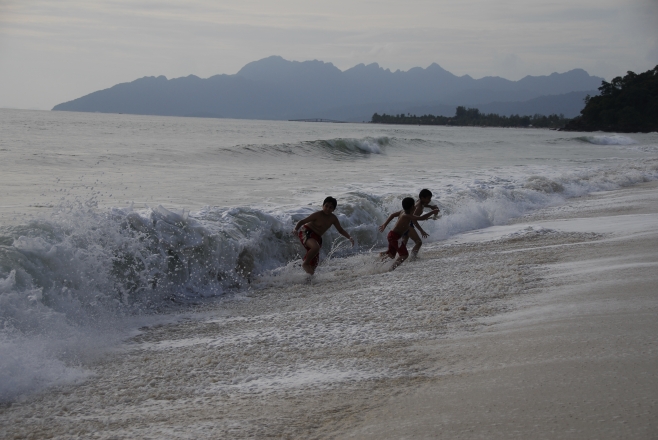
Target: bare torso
x,y
402,224
418,208
320,222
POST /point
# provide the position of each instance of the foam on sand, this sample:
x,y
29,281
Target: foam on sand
x,y
78,270
343,344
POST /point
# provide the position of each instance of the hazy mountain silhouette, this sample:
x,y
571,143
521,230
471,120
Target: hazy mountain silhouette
x,y
274,88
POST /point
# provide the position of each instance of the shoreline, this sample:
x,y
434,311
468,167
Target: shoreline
x,y
578,360
491,334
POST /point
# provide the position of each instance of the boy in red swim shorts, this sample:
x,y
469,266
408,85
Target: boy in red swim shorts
x,y
312,228
424,199
405,220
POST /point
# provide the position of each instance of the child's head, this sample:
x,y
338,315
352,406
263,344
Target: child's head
x,y
329,205
408,204
425,195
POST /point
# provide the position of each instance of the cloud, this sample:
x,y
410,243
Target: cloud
x,y
75,47
648,19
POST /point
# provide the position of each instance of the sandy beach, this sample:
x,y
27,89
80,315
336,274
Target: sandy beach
x,y
578,360
544,328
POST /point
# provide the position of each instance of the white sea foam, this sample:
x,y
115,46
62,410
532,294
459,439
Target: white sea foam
x,y
366,145
609,139
69,275
644,148
314,352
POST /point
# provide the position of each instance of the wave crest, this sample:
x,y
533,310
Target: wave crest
x,y
338,149
608,139
82,268
364,146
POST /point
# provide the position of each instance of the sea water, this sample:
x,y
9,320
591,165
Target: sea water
x,y
109,221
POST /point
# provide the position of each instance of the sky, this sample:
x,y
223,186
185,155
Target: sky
x,y
52,51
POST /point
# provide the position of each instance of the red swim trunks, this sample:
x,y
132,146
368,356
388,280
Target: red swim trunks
x,y
306,233
394,246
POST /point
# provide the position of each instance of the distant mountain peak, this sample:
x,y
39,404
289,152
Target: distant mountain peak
x,y
435,67
275,68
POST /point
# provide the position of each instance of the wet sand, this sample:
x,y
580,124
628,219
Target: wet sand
x,y
545,328
579,360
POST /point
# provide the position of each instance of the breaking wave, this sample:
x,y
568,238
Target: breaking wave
x,y
608,139
338,149
77,271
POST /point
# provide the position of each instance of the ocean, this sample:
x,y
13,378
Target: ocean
x,y
114,223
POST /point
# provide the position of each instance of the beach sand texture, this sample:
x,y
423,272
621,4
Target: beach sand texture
x,y
579,360
545,328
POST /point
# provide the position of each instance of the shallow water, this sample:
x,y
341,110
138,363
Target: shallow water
x,y
109,217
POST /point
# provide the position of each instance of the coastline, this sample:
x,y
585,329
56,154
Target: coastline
x,y
506,332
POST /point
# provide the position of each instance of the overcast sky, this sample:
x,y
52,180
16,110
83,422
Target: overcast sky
x,y
53,51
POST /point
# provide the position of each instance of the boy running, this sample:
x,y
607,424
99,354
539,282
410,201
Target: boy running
x,y
312,228
424,199
405,219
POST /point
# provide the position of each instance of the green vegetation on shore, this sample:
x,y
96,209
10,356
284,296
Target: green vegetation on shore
x,y
472,117
628,104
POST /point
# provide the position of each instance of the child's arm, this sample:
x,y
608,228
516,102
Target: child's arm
x,y
424,216
342,231
432,207
303,221
388,220
422,231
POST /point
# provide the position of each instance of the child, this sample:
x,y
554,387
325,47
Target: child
x,y
311,232
405,220
424,199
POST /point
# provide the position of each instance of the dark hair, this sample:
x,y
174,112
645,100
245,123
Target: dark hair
x,y
407,204
330,200
425,193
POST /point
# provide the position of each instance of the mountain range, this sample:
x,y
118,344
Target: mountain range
x,y
275,88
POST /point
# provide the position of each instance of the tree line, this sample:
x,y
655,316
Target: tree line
x,y
472,117
626,104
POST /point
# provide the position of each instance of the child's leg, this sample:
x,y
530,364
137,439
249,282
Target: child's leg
x,y
417,240
403,254
385,255
392,247
313,250
398,262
